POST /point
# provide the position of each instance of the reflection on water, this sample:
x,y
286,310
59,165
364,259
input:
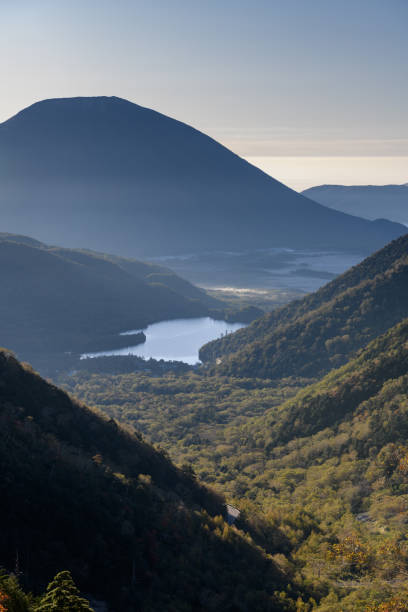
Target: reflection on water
x,y
178,340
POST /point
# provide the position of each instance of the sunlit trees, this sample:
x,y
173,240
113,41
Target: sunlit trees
x,y
399,603
63,596
352,551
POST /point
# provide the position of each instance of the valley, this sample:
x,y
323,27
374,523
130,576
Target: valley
x,y
203,372
318,458
296,418
322,459
282,273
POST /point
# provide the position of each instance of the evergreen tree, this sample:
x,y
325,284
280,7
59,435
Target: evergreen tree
x,y
63,596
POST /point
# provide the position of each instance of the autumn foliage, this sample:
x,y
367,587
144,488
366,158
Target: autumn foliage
x,y
3,601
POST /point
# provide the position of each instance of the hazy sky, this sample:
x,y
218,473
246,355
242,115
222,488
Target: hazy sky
x,y
265,77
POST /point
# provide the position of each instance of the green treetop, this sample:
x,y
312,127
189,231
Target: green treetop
x,y
63,596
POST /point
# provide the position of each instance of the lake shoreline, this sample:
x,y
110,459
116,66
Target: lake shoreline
x,y
174,340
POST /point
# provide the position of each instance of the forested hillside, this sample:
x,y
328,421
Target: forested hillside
x,y
152,273
310,336
327,467
80,493
56,300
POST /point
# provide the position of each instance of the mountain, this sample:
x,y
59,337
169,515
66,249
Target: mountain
x,y
80,493
308,337
116,177
56,300
367,201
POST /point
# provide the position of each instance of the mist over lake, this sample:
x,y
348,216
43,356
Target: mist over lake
x,y
301,270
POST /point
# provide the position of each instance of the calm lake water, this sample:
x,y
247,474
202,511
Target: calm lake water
x,y
178,340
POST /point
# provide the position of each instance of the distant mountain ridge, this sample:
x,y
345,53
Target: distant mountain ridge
x,y
116,177
308,337
367,201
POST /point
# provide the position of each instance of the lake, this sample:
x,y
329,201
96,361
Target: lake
x,y
177,340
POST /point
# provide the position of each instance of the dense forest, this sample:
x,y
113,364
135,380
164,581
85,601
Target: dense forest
x,y
326,467
80,493
323,330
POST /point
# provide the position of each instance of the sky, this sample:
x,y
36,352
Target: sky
x,y
267,78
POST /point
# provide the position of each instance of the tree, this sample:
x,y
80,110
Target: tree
x,y
63,596
12,598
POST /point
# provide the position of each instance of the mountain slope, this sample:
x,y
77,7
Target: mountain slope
x,y
155,274
56,300
113,176
308,337
80,493
338,395
367,201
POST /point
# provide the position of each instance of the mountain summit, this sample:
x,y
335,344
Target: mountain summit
x,y
114,176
